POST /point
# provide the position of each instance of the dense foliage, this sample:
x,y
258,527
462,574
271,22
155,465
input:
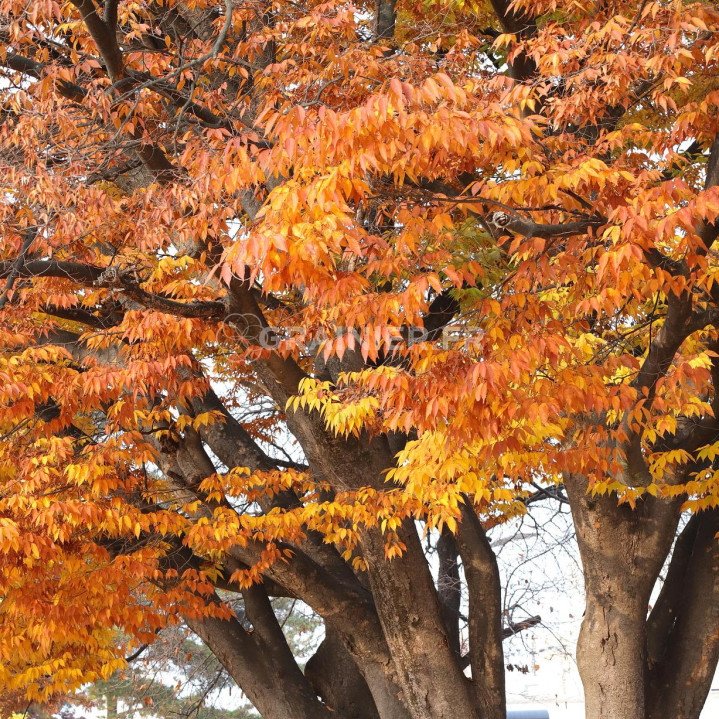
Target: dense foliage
x,y
284,282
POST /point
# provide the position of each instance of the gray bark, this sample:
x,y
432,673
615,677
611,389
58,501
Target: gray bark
x,y
622,552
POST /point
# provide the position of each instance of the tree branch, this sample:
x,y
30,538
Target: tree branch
x,y
509,631
35,69
76,271
486,656
193,310
683,629
521,226
104,37
710,231
385,19
16,266
254,664
523,67
110,14
660,261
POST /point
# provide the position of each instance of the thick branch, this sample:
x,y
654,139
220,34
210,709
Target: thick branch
x,y
410,612
485,615
195,309
656,259
106,40
16,266
684,634
449,587
710,231
228,439
76,271
264,670
100,318
385,19
280,375
35,69
346,606
104,37
110,14
679,324
522,226
523,67
441,312
110,277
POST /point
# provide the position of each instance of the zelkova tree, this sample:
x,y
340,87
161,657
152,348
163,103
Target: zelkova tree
x,y
287,287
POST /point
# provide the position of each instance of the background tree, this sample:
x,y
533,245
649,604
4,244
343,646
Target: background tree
x,y
176,676
460,253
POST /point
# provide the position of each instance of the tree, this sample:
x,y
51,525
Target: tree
x,y
176,676
462,254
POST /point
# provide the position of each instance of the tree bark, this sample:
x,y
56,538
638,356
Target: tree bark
x,y
432,682
336,678
385,19
449,586
486,654
265,670
684,625
622,552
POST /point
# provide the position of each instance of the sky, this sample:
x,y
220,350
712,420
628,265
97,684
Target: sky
x,y
547,563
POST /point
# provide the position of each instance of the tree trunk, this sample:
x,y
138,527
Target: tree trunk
x,y
622,552
336,678
610,652
684,625
486,654
432,682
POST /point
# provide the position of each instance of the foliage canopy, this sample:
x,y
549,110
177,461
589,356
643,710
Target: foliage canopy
x,y
442,251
